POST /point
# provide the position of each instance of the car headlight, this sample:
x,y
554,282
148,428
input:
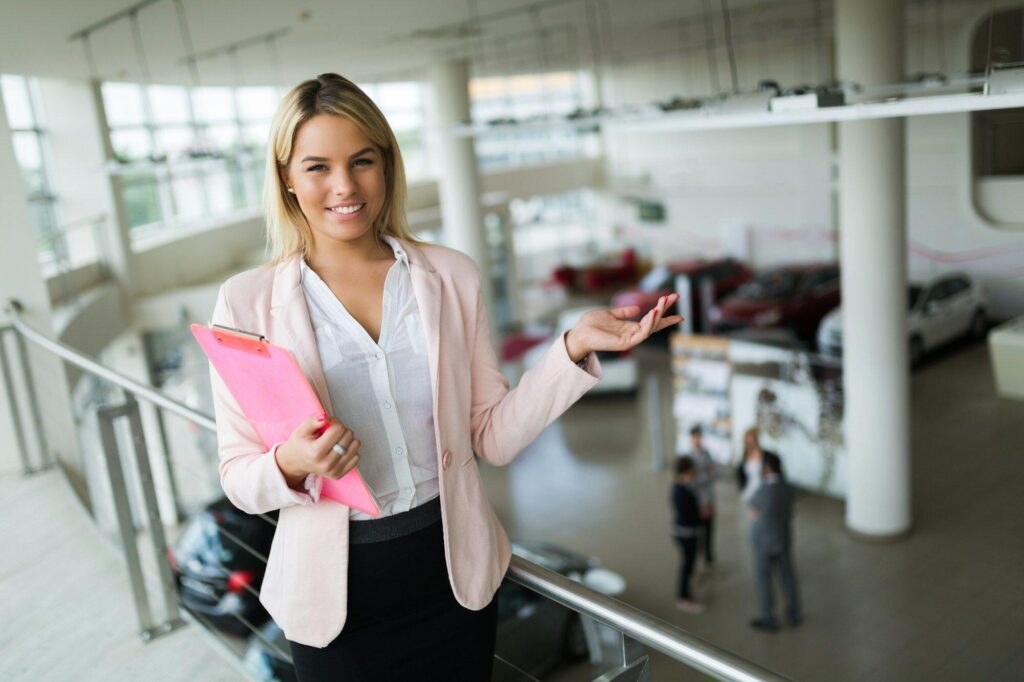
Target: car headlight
x,y
768,317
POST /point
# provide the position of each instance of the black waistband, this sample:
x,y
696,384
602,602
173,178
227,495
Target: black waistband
x,y
395,526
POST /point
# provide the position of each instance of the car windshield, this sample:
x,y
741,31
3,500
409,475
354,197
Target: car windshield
x,y
915,296
769,286
654,280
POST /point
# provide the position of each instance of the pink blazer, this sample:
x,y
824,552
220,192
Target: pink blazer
x,y
305,584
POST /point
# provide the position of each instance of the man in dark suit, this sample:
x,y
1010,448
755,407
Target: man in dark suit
x,y
771,511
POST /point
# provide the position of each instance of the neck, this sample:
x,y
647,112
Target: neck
x,y
332,255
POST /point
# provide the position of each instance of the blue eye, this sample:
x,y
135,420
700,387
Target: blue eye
x,y
363,162
318,166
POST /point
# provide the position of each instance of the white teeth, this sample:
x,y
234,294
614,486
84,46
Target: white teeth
x,y
345,210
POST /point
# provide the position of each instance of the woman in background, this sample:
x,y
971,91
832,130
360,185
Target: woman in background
x,y
748,471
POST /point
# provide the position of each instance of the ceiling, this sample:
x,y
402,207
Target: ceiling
x,y
367,40
382,39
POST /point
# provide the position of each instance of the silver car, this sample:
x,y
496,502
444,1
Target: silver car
x,y
940,310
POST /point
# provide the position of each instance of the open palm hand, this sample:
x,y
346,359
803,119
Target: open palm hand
x,y
614,330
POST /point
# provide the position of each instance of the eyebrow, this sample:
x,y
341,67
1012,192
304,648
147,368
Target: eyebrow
x,y
322,158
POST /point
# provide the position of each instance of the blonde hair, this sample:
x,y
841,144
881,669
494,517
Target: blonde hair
x,y
288,231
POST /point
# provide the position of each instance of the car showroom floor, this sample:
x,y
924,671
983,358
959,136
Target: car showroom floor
x,y
944,603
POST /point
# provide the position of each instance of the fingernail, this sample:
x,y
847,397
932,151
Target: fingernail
x,y
322,418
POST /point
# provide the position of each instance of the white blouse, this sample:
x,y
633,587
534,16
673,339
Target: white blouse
x,y
380,390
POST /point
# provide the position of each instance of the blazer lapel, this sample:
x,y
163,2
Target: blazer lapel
x,y
291,322
426,285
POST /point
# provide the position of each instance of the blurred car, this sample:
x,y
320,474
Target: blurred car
x,y
794,297
619,368
534,633
213,570
616,271
939,311
726,275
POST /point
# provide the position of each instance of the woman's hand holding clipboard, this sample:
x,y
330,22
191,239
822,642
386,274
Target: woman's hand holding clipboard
x,y
277,400
318,446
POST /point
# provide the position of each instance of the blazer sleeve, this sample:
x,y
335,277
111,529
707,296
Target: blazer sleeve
x,y
504,421
249,474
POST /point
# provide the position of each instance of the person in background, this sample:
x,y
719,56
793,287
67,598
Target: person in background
x,y
748,471
705,485
685,529
771,511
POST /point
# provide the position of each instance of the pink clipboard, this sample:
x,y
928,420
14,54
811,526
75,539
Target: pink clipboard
x,y
275,397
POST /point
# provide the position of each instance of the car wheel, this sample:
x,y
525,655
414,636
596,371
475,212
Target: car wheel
x,y
979,325
575,640
916,351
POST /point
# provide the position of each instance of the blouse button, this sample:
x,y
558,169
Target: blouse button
x,y
446,460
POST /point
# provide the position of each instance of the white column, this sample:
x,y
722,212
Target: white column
x,y
873,250
457,177
21,279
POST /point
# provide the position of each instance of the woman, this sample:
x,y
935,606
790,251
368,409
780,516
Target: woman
x,y
393,336
748,471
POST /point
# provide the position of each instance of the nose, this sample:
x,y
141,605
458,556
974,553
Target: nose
x,y
343,183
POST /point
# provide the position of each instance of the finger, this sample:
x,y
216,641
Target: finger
x,y
309,427
667,322
625,312
346,463
329,437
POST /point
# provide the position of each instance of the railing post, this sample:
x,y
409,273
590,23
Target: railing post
x,y
149,630
12,400
33,404
156,526
632,665
122,507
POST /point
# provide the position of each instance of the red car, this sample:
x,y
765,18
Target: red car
x,y
616,271
793,297
726,274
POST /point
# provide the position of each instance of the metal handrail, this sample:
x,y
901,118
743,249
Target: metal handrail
x,y
630,621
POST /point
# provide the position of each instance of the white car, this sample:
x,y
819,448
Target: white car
x,y
940,310
619,369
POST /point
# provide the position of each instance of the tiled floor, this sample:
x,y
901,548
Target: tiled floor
x,y
945,603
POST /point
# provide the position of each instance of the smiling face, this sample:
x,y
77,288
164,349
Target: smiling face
x,y
338,177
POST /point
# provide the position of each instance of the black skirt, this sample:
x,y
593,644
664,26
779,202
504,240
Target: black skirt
x,y
403,620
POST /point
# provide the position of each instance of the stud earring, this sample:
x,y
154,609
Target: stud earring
x,y
292,190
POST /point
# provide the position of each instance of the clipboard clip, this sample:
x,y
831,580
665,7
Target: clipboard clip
x,y
239,338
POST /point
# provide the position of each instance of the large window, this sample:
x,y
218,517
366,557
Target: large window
x,y
403,107
24,116
181,154
526,99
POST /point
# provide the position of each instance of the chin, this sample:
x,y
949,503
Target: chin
x,y
353,232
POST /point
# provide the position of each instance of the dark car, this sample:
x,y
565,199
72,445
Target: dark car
x,y
216,575
534,633
792,297
725,275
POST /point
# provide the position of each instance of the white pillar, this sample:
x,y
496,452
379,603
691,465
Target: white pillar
x,y
22,279
869,46
457,179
